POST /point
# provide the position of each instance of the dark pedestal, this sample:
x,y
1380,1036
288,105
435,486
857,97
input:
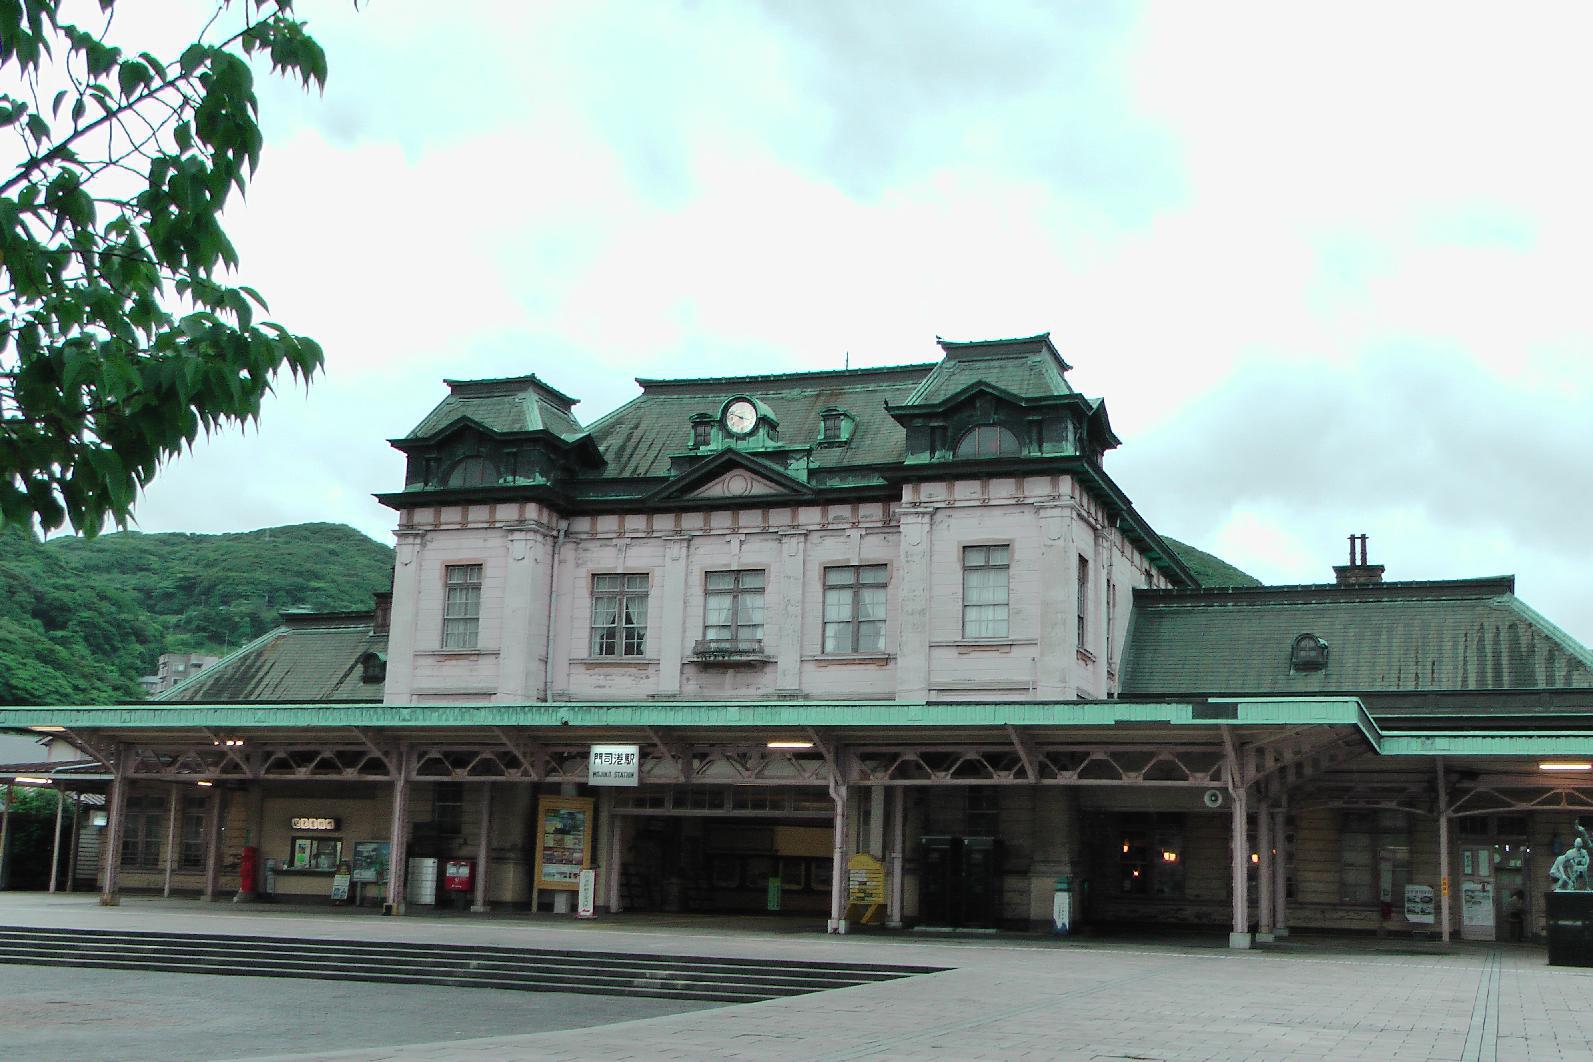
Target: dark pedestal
x,y
1570,918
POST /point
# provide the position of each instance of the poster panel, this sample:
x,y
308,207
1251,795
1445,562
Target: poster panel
x,y
1419,904
563,841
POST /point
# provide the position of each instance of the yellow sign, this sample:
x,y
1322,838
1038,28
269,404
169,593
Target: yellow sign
x,y
564,841
865,884
1445,884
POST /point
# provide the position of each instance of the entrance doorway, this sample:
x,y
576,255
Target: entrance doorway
x,y
726,850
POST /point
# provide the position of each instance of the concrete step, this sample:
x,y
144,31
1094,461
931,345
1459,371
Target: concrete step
x,y
401,962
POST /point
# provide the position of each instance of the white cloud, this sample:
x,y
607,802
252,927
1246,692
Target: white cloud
x,y
1327,266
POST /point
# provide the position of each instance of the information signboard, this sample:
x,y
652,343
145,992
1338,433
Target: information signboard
x,y
586,895
371,860
564,841
614,765
1419,904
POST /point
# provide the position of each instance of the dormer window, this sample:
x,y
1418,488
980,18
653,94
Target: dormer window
x,y
835,426
1309,653
702,431
472,472
373,667
987,440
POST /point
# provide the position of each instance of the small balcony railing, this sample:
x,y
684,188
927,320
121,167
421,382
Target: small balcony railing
x,y
728,651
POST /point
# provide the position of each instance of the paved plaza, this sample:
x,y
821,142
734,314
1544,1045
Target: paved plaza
x,y
1186,998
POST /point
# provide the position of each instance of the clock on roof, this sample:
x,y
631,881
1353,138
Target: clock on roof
x,y
741,416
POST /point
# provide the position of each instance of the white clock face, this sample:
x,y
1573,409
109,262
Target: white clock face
x,y
741,416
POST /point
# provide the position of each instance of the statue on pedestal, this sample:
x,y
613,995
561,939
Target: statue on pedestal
x,y
1569,872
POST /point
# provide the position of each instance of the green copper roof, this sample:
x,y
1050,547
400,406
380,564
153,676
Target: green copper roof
x,y
309,658
1458,635
639,437
513,404
1028,367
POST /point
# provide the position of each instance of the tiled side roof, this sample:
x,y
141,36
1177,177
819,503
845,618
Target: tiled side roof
x,y
1463,635
638,438
291,663
522,403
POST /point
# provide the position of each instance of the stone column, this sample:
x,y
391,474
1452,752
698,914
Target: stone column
x,y
1057,634
402,633
520,620
1280,870
914,604
484,851
77,837
1239,937
1443,847
1264,875
671,623
171,838
399,835
5,836
214,817
893,913
55,847
116,809
793,581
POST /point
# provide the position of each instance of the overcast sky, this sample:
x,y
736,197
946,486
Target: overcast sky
x,y
1328,265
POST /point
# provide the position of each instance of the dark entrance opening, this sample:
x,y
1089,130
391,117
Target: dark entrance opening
x,y
960,883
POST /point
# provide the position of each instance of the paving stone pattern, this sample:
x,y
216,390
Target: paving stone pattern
x,y
1005,998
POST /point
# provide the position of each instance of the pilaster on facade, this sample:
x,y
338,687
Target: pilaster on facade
x,y
914,603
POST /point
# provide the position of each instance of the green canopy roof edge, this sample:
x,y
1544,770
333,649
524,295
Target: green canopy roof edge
x,y
1501,743
826,714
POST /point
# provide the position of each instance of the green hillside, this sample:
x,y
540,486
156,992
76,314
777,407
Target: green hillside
x,y
81,620
1211,571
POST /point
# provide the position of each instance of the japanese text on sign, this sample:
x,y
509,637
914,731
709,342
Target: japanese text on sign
x,y
614,765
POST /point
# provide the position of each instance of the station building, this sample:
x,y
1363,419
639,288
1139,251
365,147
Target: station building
x,y
880,646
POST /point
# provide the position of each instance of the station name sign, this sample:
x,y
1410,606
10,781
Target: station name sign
x,y
309,823
614,765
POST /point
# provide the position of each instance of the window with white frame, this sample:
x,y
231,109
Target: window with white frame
x,y
854,609
462,606
733,607
984,591
619,615
1084,604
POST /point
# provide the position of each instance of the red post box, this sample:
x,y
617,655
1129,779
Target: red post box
x,y
459,875
248,872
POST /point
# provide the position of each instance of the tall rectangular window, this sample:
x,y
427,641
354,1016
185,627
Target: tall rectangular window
x,y
854,609
191,831
733,608
1084,603
143,827
619,615
984,591
462,606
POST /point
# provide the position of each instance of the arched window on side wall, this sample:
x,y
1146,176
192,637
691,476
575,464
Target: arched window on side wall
x,y
987,440
472,472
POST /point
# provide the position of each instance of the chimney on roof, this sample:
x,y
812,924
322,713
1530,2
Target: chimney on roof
x,y
1358,572
382,618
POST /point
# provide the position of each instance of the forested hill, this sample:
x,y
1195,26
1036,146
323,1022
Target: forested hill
x,y
82,619
1210,570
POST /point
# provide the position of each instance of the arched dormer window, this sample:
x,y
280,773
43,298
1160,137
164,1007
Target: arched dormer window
x,y
472,472
1309,653
987,440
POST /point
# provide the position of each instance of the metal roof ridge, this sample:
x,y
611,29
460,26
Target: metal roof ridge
x,y
1554,631
1491,586
648,382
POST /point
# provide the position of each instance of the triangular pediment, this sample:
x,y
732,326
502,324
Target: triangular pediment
x,y
737,483
731,475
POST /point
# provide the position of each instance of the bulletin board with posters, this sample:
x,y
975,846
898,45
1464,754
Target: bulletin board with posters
x,y
563,842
